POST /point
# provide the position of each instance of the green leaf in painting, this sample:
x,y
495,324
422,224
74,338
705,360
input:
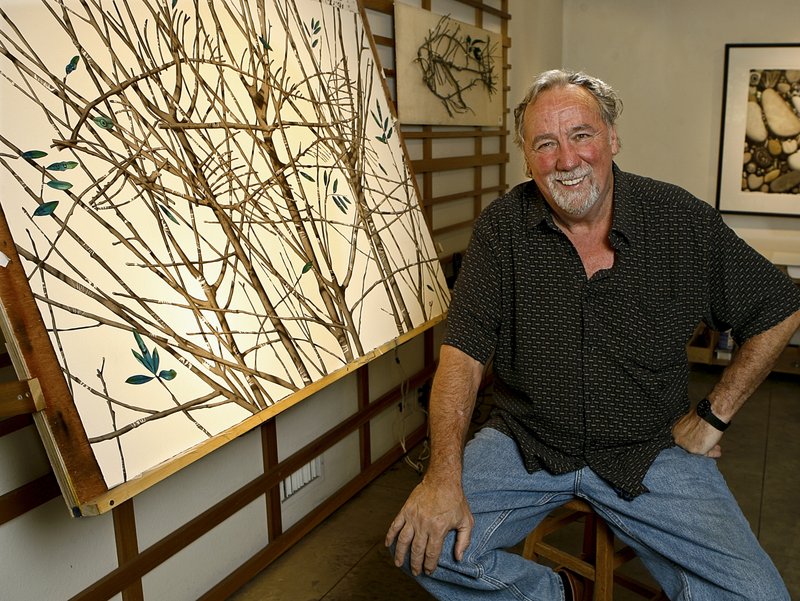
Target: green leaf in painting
x,y
72,65
307,267
104,122
146,360
62,166
138,379
307,176
139,342
167,374
33,154
45,209
169,214
156,360
59,185
341,201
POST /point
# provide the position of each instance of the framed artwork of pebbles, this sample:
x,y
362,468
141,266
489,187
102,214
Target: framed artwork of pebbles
x,y
759,158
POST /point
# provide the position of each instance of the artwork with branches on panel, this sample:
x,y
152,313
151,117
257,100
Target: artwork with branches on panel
x,y
212,208
448,72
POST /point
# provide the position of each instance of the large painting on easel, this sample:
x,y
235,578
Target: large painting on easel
x,y
210,207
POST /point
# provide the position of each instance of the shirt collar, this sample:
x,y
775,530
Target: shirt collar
x,y
626,210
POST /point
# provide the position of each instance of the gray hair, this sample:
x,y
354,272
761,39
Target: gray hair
x,y
607,99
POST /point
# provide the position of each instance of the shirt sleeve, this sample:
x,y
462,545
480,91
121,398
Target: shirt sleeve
x,y
475,306
748,294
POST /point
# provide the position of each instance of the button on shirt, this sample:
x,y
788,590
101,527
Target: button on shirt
x,y
593,372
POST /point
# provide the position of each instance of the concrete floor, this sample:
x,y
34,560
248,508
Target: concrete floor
x,y
344,559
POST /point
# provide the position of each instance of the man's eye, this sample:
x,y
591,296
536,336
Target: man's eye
x,y
544,146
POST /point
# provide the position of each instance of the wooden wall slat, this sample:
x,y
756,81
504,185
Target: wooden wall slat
x,y
28,497
462,162
12,424
269,446
124,519
444,199
449,134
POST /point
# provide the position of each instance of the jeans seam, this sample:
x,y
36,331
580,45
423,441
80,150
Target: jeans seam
x,y
611,517
499,585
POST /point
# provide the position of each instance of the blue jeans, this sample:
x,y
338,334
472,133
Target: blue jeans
x,y
688,530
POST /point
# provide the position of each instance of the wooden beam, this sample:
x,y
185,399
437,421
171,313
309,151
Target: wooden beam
x,y
462,162
20,398
27,497
127,545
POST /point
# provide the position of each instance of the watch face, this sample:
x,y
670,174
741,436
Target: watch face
x,y
704,411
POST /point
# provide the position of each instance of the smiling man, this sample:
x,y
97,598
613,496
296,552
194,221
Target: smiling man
x,y
583,286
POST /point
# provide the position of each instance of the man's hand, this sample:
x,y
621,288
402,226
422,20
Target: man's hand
x,y
431,511
697,436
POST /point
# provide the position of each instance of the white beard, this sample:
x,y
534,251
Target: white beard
x,y
573,202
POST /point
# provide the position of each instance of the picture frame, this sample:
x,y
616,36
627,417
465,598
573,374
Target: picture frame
x,y
759,154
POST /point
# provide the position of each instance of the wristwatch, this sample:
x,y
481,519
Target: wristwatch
x,y
704,411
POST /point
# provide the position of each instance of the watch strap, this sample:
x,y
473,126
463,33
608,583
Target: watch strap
x,y
705,412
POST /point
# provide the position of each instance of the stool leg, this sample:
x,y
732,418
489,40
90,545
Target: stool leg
x,y
604,562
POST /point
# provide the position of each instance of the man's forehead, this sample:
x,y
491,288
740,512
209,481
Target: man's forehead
x,y
572,104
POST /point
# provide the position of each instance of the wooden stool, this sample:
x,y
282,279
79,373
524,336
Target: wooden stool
x,y
598,561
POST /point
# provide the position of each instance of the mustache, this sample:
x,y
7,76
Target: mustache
x,y
577,173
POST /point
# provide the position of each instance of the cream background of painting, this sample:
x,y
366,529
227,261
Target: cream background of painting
x,y
661,136
150,444
415,102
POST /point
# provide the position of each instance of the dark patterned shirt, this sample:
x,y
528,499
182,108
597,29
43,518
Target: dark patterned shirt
x,y
594,372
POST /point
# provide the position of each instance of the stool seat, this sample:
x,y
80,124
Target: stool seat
x,y
598,561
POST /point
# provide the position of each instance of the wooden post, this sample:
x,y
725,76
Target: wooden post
x,y
20,398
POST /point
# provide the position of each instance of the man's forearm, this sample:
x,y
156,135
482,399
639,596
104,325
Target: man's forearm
x,y
453,394
750,365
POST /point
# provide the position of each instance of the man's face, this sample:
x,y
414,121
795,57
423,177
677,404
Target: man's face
x,y
569,150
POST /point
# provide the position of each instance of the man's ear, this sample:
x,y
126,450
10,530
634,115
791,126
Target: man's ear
x,y
614,140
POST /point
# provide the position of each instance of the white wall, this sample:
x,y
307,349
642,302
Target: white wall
x,y
666,58
535,30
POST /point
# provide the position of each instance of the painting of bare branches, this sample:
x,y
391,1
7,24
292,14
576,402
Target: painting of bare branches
x,y
448,72
212,209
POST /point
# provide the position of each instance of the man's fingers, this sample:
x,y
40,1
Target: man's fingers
x,y
404,540
462,540
715,452
432,553
418,548
394,528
